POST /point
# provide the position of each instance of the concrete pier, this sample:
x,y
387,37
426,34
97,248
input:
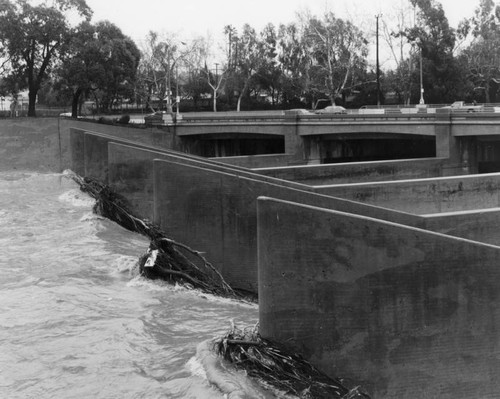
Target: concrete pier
x,y
384,272
402,311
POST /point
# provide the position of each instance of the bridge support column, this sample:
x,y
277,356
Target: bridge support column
x,y
76,143
294,143
461,152
312,150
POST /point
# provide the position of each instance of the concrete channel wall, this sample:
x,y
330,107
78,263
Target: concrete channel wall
x,y
355,172
260,161
404,312
128,166
131,174
215,212
360,290
481,225
33,145
425,196
158,137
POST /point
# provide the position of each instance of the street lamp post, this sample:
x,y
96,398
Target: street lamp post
x,y
216,85
378,66
178,98
421,80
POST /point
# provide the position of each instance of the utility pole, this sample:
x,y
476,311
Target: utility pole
x,y
177,96
421,79
378,66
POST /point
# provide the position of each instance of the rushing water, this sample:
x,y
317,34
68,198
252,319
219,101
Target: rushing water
x,y
75,319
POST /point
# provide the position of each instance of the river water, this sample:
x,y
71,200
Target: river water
x,y
76,321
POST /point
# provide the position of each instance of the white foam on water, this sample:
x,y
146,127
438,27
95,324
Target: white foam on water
x,y
77,198
90,217
196,368
233,383
125,264
160,285
150,285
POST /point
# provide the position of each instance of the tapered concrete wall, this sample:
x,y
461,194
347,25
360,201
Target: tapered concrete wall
x,y
404,312
96,157
214,211
162,138
131,175
425,196
260,161
481,225
131,171
77,151
355,172
33,144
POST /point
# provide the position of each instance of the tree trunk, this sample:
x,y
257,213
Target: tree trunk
x,y
487,91
242,93
74,103
32,101
215,100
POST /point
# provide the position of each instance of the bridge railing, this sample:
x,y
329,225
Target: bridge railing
x,y
492,111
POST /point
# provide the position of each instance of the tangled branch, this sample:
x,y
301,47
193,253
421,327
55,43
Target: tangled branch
x,y
165,258
275,365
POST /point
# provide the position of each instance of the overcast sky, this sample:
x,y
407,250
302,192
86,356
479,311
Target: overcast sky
x,y
188,18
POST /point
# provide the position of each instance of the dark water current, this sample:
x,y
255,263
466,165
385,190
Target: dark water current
x,y
75,319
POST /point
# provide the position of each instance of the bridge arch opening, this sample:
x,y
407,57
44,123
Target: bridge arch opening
x,y
228,145
335,149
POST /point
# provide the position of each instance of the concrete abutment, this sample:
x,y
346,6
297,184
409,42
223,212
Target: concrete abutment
x,y
367,286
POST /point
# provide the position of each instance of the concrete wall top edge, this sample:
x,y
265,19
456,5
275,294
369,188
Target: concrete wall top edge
x,y
385,213
457,213
367,163
135,144
420,180
207,164
386,222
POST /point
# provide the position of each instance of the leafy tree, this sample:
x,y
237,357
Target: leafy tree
x,y
195,85
337,50
293,63
434,40
163,57
247,61
268,73
100,60
402,53
482,57
82,67
120,57
33,37
193,73
215,81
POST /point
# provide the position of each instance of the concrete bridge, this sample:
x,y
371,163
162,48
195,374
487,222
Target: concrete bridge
x,y
307,124
382,272
311,139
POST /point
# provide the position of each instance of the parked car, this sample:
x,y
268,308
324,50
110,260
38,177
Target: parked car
x,y
158,118
297,111
332,109
462,106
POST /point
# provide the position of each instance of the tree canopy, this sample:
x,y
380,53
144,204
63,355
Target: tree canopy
x,y
32,37
100,61
314,59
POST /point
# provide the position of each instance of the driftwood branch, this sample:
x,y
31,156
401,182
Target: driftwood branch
x,y
168,260
278,366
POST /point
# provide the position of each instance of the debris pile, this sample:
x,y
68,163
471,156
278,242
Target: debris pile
x,y
165,258
273,364
268,362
